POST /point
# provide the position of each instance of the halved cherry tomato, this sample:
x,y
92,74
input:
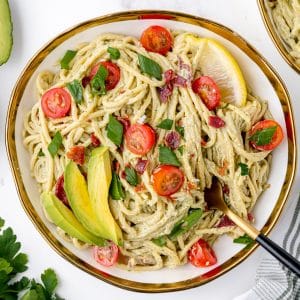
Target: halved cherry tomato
x,y
208,91
157,39
140,138
276,139
113,73
56,103
202,255
106,255
167,180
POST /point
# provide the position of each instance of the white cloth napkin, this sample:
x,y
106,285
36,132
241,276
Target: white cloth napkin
x,y
274,281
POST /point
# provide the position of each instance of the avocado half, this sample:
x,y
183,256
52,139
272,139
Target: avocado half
x,y
6,28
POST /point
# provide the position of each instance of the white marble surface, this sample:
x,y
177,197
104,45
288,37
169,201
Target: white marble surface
x,y
35,22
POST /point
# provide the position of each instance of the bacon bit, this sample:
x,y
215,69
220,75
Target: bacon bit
x,y
165,92
185,70
222,170
141,166
180,81
192,155
203,143
216,122
169,75
60,191
139,188
172,139
191,186
116,166
225,222
76,153
125,122
250,217
85,81
95,141
226,190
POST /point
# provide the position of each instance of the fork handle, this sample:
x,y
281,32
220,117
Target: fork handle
x,y
283,256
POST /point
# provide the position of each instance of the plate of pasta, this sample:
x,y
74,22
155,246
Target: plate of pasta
x,y
116,127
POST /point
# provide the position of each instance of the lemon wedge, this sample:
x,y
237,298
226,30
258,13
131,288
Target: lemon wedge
x,y
217,62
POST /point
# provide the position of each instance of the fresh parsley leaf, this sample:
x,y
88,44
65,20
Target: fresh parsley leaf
x,y
150,67
41,153
69,55
75,89
131,176
264,136
180,130
166,124
244,169
98,81
167,156
55,144
114,53
5,266
160,241
186,223
2,222
244,239
116,190
114,130
180,149
49,280
32,295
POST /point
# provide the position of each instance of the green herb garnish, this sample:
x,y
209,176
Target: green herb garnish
x,y
244,239
55,144
180,149
167,156
114,130
160,241
75,89
131,176
244,169
98,81
114,53
165,124
263,137
69,55
180,130
116,190
186,223
41,153
150,67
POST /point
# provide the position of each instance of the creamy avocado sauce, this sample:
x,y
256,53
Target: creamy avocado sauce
x,y
286,16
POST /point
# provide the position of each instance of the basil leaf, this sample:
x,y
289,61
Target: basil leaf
x,y
180,149
116,190
186,223
114,130
160,241
55,144
244,169
165,124
41,153
167,156
98,81
114,53
244,239
264,136
180,130
75,89
150,67
69,55
131,176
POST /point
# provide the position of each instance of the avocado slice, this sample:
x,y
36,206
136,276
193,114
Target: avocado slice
x,y
64,218
99,178
6,38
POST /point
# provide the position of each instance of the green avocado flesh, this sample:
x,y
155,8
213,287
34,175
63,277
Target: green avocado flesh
x,y
99,178
6,39
65,219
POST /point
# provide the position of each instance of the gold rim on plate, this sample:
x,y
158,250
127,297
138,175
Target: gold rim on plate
x,y
275,36
221,30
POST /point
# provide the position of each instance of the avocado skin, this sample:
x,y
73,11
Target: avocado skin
x,y
99,179
6,28
63,217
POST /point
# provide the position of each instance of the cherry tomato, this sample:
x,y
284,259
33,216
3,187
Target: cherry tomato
x,y
113,73
56,103
208,91
157,39
276,139
76,153
106,255
167,180
140,138
202,255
